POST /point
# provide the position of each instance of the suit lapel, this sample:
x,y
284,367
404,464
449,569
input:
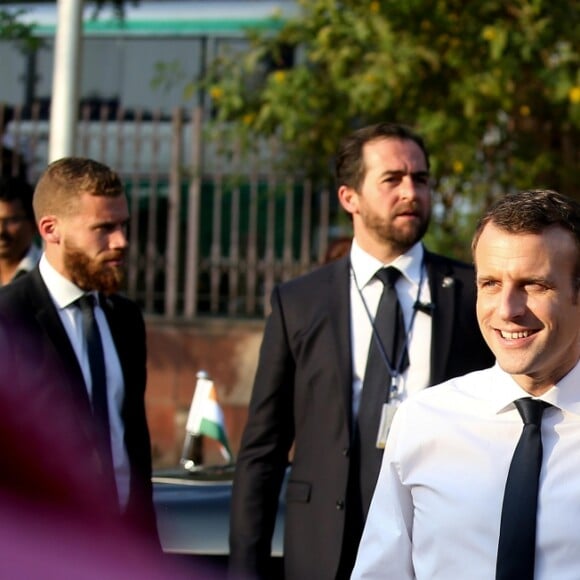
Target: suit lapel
x,y
120,334
55,335
337,299
443,294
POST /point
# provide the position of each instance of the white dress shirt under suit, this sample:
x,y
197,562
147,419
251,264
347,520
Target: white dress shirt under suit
x,y
366,289
435,514
64,295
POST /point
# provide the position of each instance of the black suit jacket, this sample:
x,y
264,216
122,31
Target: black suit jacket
x,y
38,362
302,395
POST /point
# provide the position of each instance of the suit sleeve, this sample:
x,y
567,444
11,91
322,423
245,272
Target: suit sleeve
x,y
263,455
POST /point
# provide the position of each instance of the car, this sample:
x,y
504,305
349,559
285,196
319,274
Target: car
x,y
193,510
192,501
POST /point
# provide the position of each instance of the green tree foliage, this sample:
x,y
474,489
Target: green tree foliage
x,y
493,86
11,28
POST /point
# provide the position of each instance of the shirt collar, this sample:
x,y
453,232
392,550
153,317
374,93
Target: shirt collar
x,y
565,394
61,289
365,266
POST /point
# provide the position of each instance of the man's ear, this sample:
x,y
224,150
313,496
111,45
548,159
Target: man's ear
x,y
348,198
48,228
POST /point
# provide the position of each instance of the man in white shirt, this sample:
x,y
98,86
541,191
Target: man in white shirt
x,y
437,506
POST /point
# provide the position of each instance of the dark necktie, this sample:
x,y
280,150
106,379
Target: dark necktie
x,y
517,537
389,321
99,381
390,328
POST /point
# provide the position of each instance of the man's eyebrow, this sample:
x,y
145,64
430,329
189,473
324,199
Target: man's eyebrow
x,y
421,173
112,222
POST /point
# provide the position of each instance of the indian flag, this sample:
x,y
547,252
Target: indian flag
x,y
206,416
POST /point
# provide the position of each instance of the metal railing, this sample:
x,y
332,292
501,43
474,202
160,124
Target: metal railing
x,y
213,228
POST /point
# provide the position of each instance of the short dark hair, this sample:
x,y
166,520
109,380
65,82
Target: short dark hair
x,y
17,189
350,169
532,212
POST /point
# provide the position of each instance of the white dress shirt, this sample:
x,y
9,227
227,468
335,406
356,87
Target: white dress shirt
x,y
64,293
364,288
436,511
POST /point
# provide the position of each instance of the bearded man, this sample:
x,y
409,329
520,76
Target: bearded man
x,y
328,383
75,351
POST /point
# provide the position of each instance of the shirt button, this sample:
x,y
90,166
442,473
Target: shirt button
x,y
339,504
346,451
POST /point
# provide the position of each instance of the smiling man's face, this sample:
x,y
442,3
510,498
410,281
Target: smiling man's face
x,y
527,303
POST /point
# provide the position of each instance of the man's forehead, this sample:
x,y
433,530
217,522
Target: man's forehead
x,y
498,245
10,207
397,153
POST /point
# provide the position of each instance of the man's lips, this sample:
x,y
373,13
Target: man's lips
x,y
407,215
117,260
515,335
407,211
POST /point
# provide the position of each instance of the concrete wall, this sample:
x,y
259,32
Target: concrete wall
x,y
227,350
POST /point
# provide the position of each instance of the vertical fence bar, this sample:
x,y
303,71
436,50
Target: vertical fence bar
x,y
150,264
134,254
173,214
215,251
234,249
120,138
306,233
270,250
193,215
104,134
252,246
288,250
33,143
83,136
17,155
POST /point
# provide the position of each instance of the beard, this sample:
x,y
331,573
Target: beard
x,y
93,274
399,238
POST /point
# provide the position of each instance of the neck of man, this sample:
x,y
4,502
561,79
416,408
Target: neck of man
x,y
383,251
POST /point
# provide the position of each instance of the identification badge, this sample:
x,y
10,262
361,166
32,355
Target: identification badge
x,y
387,413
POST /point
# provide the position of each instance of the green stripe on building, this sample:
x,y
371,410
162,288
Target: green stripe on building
x,y
168,27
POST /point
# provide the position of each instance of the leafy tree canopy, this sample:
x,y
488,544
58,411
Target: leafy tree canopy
x,y
494,87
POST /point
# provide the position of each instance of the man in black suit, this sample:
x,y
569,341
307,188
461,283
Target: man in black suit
x,y
308,392
82,216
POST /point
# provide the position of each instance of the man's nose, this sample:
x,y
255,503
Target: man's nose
x,y
408,188
119,239
511,304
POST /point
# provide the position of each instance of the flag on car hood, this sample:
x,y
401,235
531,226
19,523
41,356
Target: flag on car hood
x,y
206,416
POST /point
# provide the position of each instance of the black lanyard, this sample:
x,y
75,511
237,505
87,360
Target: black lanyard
x,y
394,370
